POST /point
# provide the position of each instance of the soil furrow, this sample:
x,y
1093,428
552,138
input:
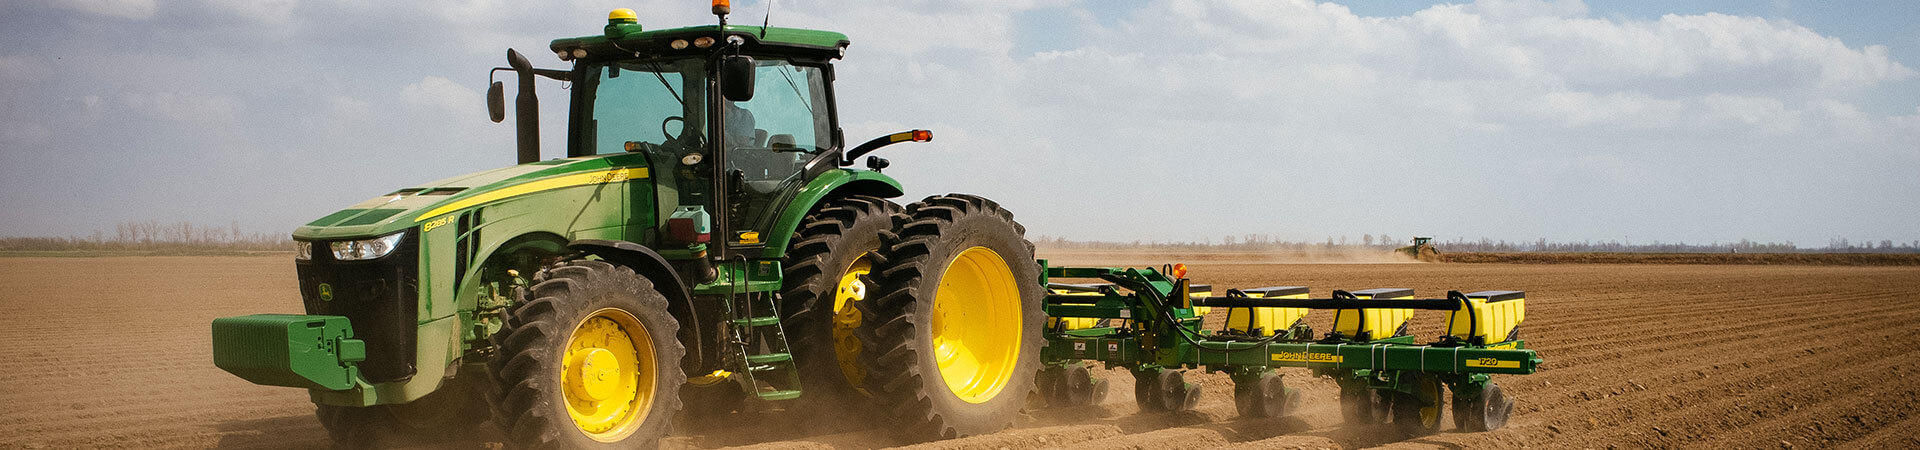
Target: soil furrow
x,y
1696,356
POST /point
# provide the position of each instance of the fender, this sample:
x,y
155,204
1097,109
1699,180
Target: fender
x,y
834,183
650,264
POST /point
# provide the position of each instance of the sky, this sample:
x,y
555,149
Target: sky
x,y
1642,121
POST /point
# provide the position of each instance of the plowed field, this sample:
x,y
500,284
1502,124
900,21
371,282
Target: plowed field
x,y
113,352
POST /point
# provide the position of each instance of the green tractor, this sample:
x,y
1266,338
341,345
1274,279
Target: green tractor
x,y
1421,250
705,242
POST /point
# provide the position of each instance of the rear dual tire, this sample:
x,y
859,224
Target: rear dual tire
x,y
952,342
834,248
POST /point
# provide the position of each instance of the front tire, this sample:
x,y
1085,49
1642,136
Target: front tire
x,y
589,359
952,341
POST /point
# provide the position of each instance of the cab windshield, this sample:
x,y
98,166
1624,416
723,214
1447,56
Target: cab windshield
x,y
658,108
644,104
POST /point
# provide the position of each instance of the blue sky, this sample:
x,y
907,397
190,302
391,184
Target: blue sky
x,y
1692,121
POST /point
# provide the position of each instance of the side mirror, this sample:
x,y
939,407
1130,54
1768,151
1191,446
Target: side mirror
x,y
497,102
736,78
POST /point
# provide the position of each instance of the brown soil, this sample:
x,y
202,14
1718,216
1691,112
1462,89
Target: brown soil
x,y
1804,259
113,352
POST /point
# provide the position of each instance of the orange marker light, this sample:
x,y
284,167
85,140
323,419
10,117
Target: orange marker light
x,y
1179,271
722,7
922,135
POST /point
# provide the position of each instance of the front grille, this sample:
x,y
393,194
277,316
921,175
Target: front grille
x,y
379,297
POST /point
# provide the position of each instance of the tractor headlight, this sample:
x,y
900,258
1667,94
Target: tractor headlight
x,y
302,250
365,249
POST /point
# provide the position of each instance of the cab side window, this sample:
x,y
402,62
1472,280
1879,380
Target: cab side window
x,y
771,138
788,109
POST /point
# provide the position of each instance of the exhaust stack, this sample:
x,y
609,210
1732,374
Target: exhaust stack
x,y
526,109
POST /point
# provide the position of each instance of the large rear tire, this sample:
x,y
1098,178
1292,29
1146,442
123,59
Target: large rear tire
x,y
832,251
589,358
952,341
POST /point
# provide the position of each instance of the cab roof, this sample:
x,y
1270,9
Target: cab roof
x,y
624,40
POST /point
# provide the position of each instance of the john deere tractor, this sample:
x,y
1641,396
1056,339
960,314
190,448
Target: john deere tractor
x,y
705,242
1422,249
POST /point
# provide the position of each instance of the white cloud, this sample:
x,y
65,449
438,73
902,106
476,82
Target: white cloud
x,y
1908,123
125,9
1714,46
1845,122
208,110
1519,59
1294,90
23,68
445,95
258,12
22,134
1906,135
1766,115
343,110
1306,111
909,28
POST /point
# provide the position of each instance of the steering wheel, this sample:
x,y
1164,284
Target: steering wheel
x,y
671,136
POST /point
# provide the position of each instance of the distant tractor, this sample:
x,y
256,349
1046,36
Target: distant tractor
x,y
1422,249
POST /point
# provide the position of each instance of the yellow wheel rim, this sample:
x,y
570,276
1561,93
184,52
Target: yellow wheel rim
x,y
846,318
976,325
1430,414
607,375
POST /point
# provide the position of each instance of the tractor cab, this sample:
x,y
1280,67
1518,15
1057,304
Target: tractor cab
x,y
740,114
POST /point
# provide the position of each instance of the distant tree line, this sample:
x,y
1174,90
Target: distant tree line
x,y
154,236
184,236
1262,242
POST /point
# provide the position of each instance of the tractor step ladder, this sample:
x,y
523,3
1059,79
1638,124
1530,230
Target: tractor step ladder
x,y
766,362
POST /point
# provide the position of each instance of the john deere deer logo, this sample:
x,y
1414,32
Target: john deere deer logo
x,y
326,292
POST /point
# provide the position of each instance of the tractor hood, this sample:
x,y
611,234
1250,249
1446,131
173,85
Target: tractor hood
x,y
410,207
